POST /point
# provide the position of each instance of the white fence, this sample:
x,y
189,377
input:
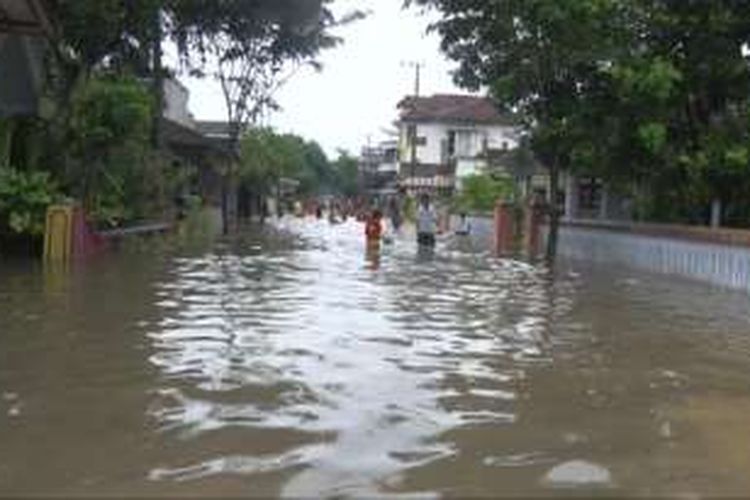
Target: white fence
x,y
723,265
719,257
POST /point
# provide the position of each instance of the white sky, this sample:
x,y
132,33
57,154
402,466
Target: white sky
x,y
355,95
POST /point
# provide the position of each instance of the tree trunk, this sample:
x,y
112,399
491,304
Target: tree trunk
x,y
554,211
158,80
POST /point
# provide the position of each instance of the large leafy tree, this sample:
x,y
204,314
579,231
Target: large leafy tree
x,y
652,95
538,58
248,45
268,156
251,47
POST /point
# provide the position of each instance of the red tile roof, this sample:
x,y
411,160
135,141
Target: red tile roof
x,y
453,109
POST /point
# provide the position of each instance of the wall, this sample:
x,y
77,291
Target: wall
x,y
717,257
682,251
20,88
176,98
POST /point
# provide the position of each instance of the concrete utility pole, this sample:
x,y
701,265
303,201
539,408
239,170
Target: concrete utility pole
x,y
412,132
414,135
417,78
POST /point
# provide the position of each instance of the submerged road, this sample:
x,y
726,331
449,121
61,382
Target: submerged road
x,y
290,361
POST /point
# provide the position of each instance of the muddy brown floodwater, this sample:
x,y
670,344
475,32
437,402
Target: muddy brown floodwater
x,y
290,362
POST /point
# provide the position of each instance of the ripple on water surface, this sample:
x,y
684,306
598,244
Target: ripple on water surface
x,y
373,365
292,361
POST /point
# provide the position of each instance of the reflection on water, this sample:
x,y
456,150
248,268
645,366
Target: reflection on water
x,y
296,362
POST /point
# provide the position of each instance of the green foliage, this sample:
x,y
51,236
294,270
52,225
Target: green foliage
x,y
24,198
346,171
646,94
267,156
653,136
480,193
109,113
111,164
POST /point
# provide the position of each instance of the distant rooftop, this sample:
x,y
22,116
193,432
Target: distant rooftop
x,y
453,108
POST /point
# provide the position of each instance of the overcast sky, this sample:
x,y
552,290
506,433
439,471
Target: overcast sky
x,y
355,95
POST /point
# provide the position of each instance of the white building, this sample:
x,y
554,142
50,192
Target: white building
x,y
445,138
378,168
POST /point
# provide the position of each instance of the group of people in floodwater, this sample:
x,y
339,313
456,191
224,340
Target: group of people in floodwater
x,y
390,213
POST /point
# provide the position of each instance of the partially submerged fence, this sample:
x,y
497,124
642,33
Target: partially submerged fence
x,y
717,256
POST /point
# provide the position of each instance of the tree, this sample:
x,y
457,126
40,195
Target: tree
x,y
110,164
650,95
346,168
479,193
267,157
537,57
252,48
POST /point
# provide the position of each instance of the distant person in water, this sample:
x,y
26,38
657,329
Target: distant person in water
x,y
426,223
333,213
396,217
464,226
374,228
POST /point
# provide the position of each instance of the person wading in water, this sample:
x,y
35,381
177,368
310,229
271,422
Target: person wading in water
x,y
395,213
374,228
426,224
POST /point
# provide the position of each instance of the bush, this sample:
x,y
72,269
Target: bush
x,y
112,166
479,193
24,198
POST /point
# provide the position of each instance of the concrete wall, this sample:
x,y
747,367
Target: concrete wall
x,y
22,60
176,99
715,263
720,258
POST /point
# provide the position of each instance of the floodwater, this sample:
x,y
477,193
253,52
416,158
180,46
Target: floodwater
x,y
292,362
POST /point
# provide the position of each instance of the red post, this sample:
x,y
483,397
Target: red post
x,y
504,228
533,220
85,241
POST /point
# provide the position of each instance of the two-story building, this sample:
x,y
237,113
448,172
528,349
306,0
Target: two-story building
x,y
378,168
444,138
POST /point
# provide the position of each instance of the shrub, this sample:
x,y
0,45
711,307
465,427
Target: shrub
x,y
24,198
479,193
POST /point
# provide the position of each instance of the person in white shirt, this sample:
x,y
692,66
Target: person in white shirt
x,y
426,224
464,226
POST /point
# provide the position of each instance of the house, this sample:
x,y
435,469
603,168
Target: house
x,y
378,168
444,138
24,26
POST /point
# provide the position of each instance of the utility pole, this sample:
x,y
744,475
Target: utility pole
x,y
412,131
418,78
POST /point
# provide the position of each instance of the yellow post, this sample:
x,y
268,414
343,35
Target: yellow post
x,y
58,236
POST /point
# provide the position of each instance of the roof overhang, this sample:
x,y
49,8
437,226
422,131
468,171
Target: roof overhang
x,y
24,17
455,122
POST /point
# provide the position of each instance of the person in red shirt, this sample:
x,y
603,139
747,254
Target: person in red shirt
x,y
374,227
